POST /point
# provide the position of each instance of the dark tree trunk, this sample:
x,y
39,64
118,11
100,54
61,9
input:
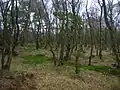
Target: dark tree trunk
x,y
37,44
91,36
15,42
76,64
67,56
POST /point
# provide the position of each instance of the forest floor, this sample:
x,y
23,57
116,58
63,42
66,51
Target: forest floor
x,y
34,70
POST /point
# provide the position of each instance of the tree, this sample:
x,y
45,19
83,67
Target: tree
x,y
9,35
110,25
91,35
100,30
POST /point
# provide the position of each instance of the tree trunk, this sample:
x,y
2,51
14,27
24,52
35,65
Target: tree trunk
x,y
67,56
37,44
9,59
61,54
3,59
76,65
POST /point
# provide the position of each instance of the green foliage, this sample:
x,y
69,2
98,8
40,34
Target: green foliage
x,y
35,59
102,69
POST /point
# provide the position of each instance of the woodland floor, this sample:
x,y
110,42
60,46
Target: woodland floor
x,y
33,70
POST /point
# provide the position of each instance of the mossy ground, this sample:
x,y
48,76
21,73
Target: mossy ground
x,y
35,59
99,76
103,69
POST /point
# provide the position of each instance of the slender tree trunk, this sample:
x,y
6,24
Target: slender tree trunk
x,y
91,36
9,59
100,33
76,64
37,36
16,36
61,57
3,59
61,54
37,43
67,56
90,57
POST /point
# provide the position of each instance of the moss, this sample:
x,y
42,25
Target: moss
x,y
35,59
102,69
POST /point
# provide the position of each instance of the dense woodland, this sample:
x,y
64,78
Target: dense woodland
x,y
72,31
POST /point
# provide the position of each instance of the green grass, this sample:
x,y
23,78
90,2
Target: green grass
x,y
35,59
102,69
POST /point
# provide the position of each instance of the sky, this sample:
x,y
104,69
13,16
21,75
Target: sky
x,y
91,1
114,1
